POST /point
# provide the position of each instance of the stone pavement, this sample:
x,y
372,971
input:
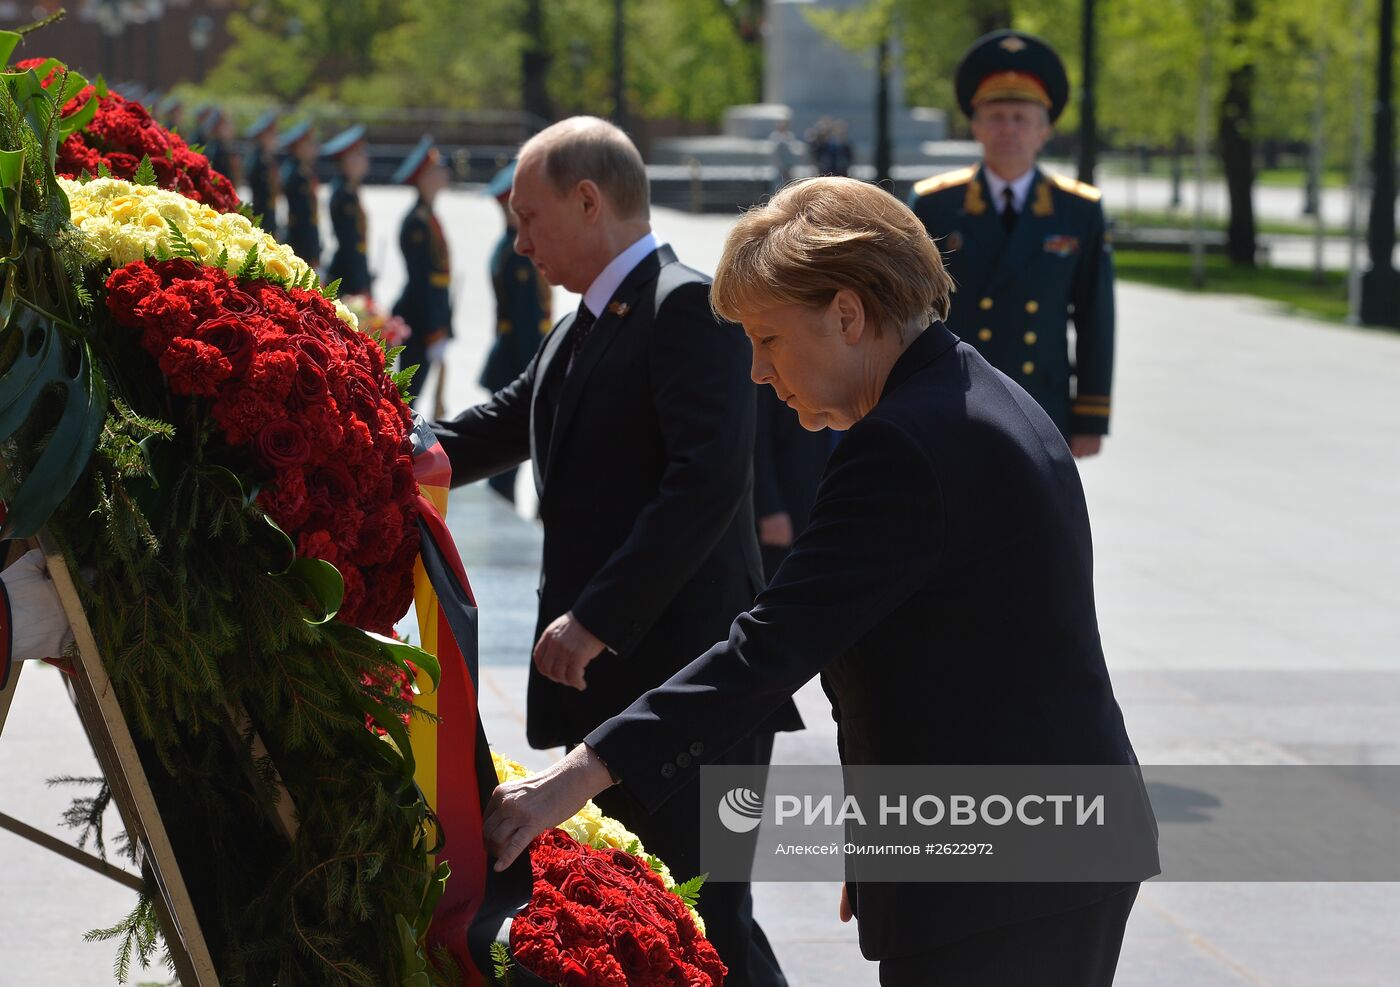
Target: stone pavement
x,y
1248,556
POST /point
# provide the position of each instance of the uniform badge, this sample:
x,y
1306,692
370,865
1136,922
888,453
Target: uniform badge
x,y
1061,245
1012,44
619,309
953,241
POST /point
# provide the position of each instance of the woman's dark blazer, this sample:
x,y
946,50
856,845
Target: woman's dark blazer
x,y
944,591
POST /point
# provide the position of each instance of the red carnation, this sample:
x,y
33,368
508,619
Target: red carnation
x,y
193,367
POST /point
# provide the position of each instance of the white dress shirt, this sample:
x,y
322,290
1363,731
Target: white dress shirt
x,y
607,282
1020,188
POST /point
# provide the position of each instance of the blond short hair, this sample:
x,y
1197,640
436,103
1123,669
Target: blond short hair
x,y
818,236
588,148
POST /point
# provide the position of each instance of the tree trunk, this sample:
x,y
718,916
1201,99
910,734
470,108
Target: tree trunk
x,y
993,15
534,64
1237,148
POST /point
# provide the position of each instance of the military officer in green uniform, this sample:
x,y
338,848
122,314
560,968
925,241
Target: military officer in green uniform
x,y
264,184
1028,250
523,312
426,304
300,190
350,262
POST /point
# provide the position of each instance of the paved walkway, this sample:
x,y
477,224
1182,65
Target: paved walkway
x,y
1248,554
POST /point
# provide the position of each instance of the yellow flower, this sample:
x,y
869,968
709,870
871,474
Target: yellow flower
x,y
121,222
590,827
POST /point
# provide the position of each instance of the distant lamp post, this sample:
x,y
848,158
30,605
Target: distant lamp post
x,y
201,33
1380,286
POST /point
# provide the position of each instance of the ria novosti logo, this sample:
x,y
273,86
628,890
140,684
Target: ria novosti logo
x,y
741,810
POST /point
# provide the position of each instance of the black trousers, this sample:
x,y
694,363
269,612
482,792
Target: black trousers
x,y
673,834
1077,948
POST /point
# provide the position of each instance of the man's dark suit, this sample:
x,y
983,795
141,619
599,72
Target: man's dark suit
x,y
943,588
642,458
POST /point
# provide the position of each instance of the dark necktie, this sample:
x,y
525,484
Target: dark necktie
x,y
584,322
1008,209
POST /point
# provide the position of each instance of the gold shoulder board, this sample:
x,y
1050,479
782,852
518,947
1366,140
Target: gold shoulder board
x,y
946,180
1081,189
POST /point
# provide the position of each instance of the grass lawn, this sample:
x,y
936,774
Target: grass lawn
x,y
1182,219
1292,289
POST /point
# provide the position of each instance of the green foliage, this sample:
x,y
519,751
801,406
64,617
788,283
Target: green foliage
x,y
685,59
213,633
145,172
689,891
183,247
502,962
139,933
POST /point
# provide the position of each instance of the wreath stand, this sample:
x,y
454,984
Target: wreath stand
x,y
106,727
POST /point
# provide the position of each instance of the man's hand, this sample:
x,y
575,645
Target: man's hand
x,y
846,913
564,651
521,810
1083,446
775,529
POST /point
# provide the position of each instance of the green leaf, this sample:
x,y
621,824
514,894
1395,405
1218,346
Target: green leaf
x,y
74,122
502,961
103,171
399,758
689,892
222,262
319,585
402,653
437,886
413,967
73,437
12,168
145,172
274,548
332,290
250,264
8,41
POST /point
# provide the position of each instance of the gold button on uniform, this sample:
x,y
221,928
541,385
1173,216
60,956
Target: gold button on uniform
x,y
1028,368
984,334
986,303
1030,339
1032,306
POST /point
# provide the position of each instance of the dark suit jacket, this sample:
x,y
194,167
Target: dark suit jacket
x,y
1016,294
643,464
788,461
944,590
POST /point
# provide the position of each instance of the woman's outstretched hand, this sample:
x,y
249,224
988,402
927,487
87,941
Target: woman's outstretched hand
x,y
521,810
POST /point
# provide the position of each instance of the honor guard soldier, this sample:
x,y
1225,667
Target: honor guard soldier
x,y
1027,249
350,262
264,184
425,303
299,188
217,137
523,312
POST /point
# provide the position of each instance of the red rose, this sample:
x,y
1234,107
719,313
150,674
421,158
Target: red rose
x,y
309,386
233,338
179,269
582,889
237,302
122,165
193,367
282,445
